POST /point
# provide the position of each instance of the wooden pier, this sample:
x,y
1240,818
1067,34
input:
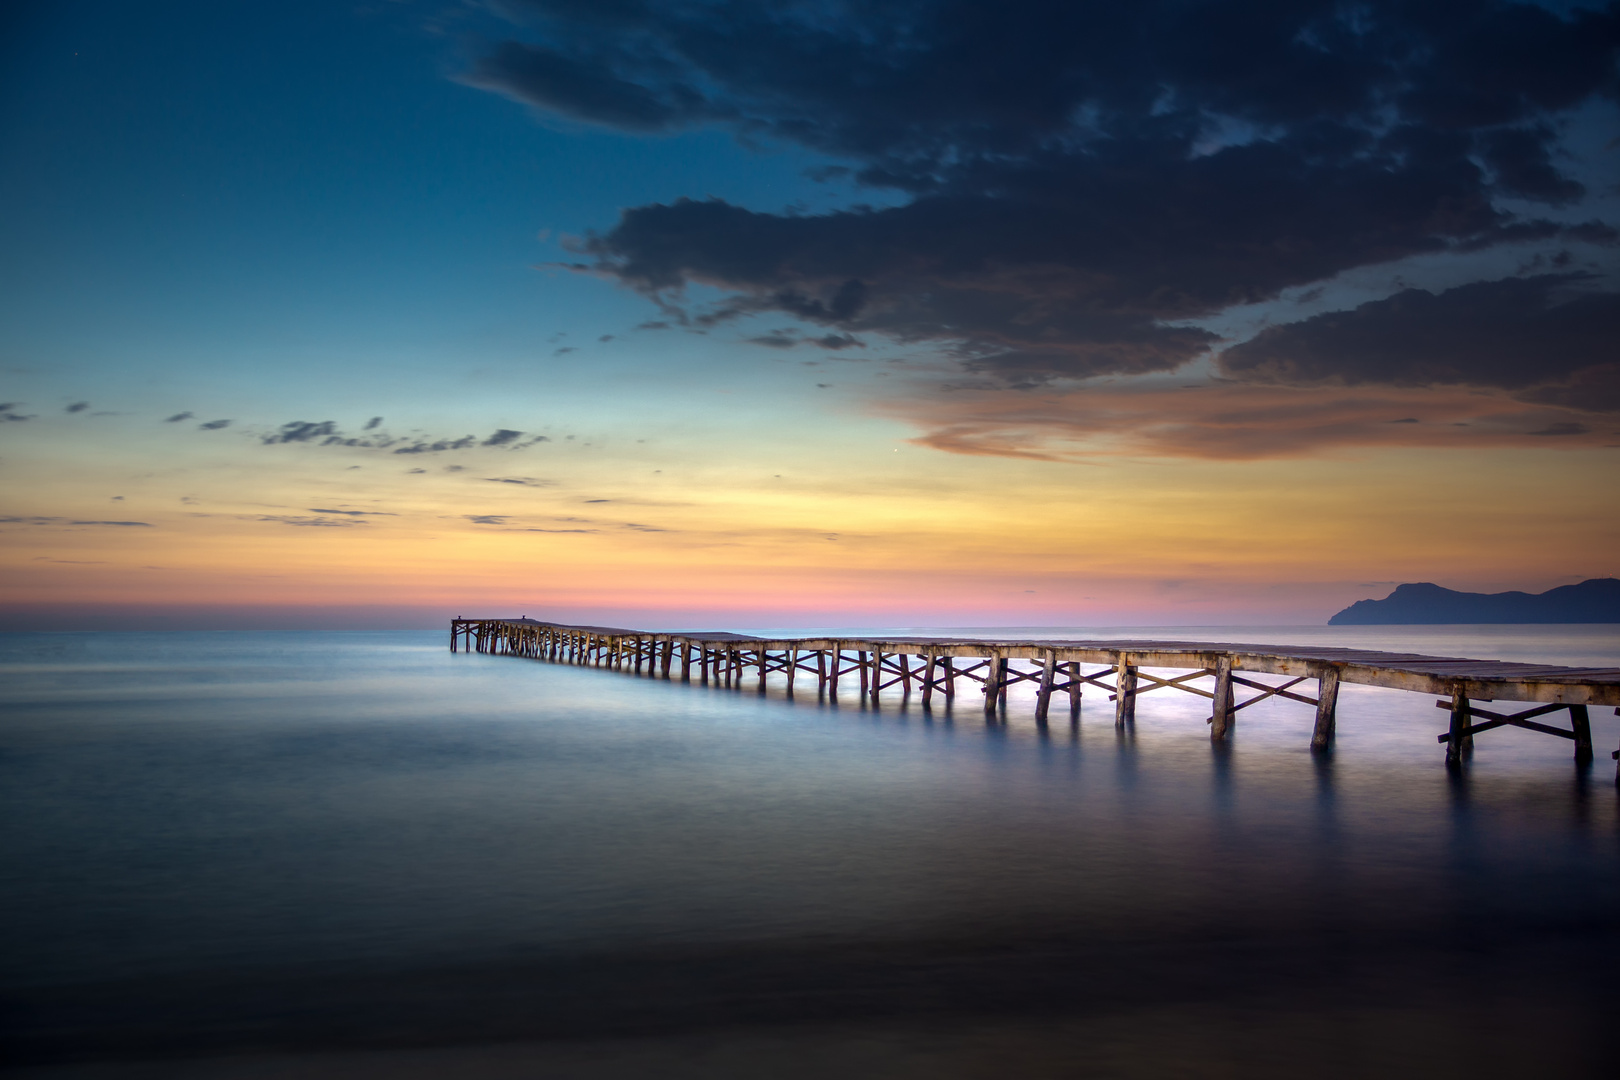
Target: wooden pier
x,y
933,668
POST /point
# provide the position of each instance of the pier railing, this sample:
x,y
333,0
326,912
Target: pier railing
x,y
934,668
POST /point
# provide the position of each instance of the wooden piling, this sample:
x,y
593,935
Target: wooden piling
x,y
1327,705
1581,725
1460,742
1125,693
1043,696
992,685
1074,691
1220,720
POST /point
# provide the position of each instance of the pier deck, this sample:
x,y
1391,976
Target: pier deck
x,y
1207,669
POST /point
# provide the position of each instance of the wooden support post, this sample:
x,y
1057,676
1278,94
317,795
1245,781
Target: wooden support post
x,y
877,674
836,656
686,661
1043,696
860,662
928,680
1327,704
992,683
1459,743
1581,724
1125,692
950,679
792,656
1074,691
905,675
821,671
669,655
1220,720
759,654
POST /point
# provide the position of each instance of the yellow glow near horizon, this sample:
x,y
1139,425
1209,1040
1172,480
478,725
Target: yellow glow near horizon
x,y
858,522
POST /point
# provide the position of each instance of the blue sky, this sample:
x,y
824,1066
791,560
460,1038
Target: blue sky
x,y
1096,321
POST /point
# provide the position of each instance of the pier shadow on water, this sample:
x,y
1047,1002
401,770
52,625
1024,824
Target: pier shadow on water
x,y
257,855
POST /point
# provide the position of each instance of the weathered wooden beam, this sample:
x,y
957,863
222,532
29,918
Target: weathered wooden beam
x,y
1220,721
1043,696
992,683
1458,741
1582,725
1125,691
1327,703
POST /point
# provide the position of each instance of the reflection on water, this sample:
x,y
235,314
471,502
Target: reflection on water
x,y
318,842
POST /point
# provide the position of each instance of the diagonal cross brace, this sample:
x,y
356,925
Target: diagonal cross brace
x,y
1516,720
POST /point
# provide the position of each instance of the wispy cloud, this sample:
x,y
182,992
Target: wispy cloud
x,y
522,481
308,522
70,521
439,445
487,519
353,513
300,431
177,417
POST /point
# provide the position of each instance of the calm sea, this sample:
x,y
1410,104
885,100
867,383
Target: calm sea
x,y
341,854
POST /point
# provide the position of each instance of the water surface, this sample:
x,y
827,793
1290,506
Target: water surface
x,y
335,842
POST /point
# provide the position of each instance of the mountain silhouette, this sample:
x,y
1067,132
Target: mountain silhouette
x,y
1593,601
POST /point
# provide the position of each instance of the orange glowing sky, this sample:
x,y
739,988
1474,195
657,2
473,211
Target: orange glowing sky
x,y
261,336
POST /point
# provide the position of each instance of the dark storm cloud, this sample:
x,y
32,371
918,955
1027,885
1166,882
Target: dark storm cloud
x,y
1514,334
1077,174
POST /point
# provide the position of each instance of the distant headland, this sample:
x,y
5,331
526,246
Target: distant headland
x,y
1594,601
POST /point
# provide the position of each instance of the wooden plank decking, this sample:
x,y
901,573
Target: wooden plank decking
x,y
1058,666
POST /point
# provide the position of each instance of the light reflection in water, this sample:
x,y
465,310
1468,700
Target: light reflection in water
x,y
235,808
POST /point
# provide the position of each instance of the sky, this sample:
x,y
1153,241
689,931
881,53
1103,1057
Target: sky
x,y
685,314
